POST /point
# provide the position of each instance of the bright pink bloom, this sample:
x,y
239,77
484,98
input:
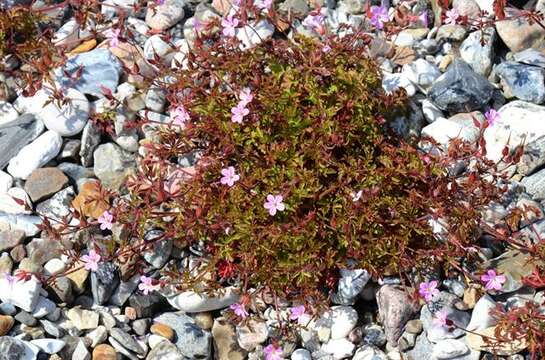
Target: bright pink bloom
x,y
159,2
239,310
326,48
314,21
146,285
113,35
264,4
440,318
492,116
229,176
272,352
197,24
180,115
424,19
239,112
246,96
299,314
274,203
10,279
452,17
428,290
106,220
229,24
379,16
91,260
493,281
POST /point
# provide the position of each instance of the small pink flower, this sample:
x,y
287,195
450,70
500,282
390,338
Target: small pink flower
x,y
10,279
424,19
493,281
229,176
246,96
272,352
146,285
229,24
197,24
326,48
159,2
492,116
314,21
379,16
274,203
239,310
452,17
106,220
298,313
440,318
113,35
239,112
428,290
264,4
91,260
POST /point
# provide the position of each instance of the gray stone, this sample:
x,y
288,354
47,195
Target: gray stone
x,y
155,99
422,350
81,352
27,223
530,57
192,341
103,282
90,139
535,185
451,32
14,349
165,351
141,326
478,50
41,250
444,302
58,206
44,182
10,239
395,309
61,290
160,250
147,305
113,165
127,341
15,135
52,329
524,82
70,150
76,172
124,291
25,318
460,89
99,68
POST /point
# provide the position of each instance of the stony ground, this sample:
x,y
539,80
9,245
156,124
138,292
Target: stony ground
x,y
51,154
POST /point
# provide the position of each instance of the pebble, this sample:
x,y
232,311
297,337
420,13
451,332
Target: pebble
x,y
481,317
104,352
476,342
83,319
301,354
165,351
339,348
192,302
126,340
226,346
460,89
478,50
395,309
351,284
10,239
23,294
164,16
69,118
17,349
16,136
393,82
48,346
250,335
519,35
162,330
6,323
524,82
191,340
100,69
6,181
421,72
112,165
44,182
449,349
43,307
35,155
103,282
81,352
97,336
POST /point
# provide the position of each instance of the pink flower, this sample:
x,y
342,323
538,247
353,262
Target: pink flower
x,y
440,318
113,35
180,115
314,21
159,2
274,203
239,310
326,48
106,220
229,176
491,116
146,285
424,19
428,290
197,24
452,17
379,16
264,4
246,96
272,352
229,24
10,279
239,112
91,260
492,280
299,314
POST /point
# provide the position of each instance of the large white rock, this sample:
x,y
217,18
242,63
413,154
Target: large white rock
x,y
421,72
449,349
444,130
68,118
191,302
32,104
23,294
35,155
9,202
336,323
7,113
520,122
49,346
480,317
6,181
253,35
339,348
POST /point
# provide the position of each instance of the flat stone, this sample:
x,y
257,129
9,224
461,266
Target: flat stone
x,y
34,155
127,341
519,35
44,182
6,181
61,290
43,307
460,89
6,323
49,346
166,15
15,349
89,202
252,334
103,282
192,341
476,342
100,68
10,239
58,206
165,351
90,139
514,265
23,294
104,352
190,301
15,135
15,201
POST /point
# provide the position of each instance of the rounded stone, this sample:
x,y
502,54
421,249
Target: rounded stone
x,y
162,330
45,182
68,118
6,323
104,352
